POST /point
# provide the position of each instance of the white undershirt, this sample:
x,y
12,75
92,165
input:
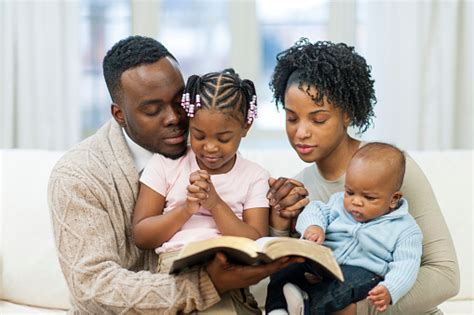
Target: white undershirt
x,y
140,155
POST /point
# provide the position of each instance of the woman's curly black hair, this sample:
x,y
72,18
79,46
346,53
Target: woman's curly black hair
x,y
337,72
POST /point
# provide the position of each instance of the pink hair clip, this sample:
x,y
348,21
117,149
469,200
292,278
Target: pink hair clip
x,y
198,101
252,112
183,102
189,107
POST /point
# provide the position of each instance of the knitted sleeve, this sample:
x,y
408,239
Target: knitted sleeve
x,y
403,270
87,250
318,213
438,278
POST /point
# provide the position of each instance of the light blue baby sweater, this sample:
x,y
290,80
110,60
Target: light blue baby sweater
x,y
389,246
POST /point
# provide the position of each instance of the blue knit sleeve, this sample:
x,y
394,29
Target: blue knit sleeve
x,y
318,213
404,268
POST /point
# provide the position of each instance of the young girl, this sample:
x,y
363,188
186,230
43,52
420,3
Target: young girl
x,y
211,190
325,88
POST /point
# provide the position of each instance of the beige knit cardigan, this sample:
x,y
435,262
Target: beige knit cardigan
x,y
92,192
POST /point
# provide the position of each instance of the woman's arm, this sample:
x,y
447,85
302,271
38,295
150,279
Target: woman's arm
x,y
151,228
438,278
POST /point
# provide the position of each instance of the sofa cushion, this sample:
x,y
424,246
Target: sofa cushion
x,y
30,267
450,174
13,308
30,272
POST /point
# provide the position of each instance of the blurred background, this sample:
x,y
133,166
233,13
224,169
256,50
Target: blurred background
x,y
52,92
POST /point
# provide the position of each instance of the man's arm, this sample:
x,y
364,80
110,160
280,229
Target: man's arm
x,y
87,249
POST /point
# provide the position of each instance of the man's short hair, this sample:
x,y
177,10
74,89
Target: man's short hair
x,y
128,53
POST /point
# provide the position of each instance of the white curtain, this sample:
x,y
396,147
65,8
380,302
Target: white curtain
x,y
39,74
421,53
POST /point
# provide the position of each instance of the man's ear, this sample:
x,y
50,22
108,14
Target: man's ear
x,y
117,113
246,129
394,202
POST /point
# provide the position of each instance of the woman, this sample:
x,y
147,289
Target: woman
x,y
324,88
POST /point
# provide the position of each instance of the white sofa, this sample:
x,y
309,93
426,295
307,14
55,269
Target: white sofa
x,y
30,277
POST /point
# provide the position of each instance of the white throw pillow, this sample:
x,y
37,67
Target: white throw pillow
x,y
450,174
30,268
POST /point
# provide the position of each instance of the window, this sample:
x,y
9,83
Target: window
x,y
281,24
196,33
103,22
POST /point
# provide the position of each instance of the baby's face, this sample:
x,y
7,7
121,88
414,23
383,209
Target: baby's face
x,y
370,191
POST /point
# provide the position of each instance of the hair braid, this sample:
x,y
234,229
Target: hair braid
x,y
224,91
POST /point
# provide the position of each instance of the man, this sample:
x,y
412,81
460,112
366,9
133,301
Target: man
x,y
93,189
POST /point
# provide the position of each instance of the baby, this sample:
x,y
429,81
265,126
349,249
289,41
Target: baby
x,y
375,240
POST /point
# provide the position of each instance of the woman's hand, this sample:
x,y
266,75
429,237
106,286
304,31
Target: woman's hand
x,y
287,196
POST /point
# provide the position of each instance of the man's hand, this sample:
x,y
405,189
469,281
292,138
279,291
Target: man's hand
x,y
226,276
287,196
380,298
315,233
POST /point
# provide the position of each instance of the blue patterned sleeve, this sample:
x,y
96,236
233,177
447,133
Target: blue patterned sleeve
x,y
404,268
318,213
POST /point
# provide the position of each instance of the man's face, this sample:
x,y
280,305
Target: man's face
x,y
150,110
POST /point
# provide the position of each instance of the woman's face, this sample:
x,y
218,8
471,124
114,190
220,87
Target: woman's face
x,y
314,130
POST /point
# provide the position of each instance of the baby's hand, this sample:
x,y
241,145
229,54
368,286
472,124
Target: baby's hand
x,y
314,233
380,298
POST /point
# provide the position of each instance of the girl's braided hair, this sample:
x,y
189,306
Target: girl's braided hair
x,y
224,91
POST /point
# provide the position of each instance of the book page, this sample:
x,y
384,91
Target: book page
x,y
261,242
276,247
237,249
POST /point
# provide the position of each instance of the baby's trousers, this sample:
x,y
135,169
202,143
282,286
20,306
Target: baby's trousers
x,y
328,295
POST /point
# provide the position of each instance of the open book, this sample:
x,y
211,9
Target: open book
x,y
245,251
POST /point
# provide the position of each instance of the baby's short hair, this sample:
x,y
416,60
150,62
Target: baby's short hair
x,y
386,153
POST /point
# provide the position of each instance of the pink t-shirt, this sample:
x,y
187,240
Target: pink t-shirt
x,y
244,187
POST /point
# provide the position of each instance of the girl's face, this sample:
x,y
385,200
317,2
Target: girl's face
x,y
215,139
314,130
